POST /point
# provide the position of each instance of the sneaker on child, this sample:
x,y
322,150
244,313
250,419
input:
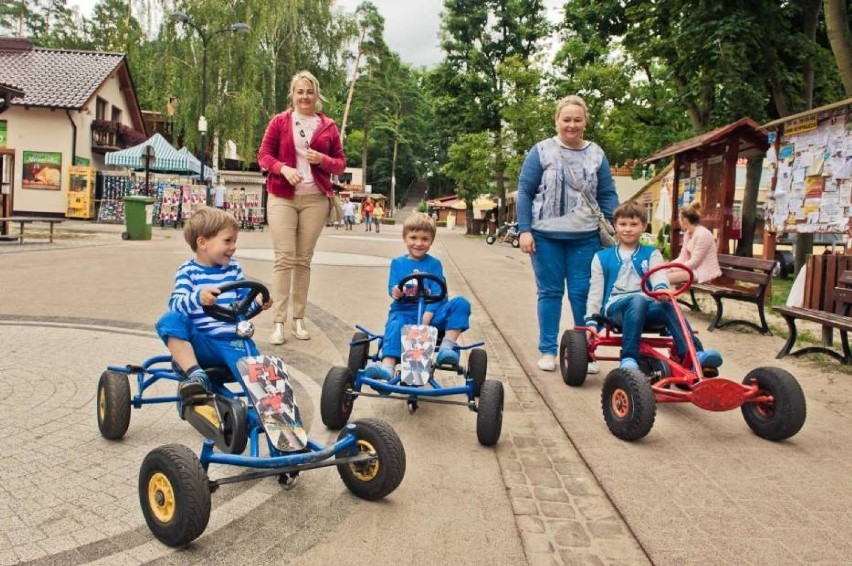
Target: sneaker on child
x,y
447,356
710,358
629,364
197,383
375,370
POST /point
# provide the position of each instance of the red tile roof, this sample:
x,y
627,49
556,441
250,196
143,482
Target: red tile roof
x,y
55,78
747,127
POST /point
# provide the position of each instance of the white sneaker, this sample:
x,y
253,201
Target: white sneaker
x,y
593,368
277,334
299,330
547,362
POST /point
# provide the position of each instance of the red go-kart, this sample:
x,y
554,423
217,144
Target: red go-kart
x,y
771,400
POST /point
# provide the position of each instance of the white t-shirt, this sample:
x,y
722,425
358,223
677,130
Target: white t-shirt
x,y
303,131
219,196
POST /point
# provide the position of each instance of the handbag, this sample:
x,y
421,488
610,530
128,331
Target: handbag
x,y
335,210
605,229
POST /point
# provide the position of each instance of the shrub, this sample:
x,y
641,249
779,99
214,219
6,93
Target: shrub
x,y
388,220
422,207
441,223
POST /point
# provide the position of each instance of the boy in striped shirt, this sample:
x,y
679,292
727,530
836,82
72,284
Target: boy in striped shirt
x,y
192,336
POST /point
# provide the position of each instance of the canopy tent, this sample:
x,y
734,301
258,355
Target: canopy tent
x,y
195,164
167,159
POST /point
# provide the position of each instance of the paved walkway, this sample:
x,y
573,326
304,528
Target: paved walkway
x,y
558,488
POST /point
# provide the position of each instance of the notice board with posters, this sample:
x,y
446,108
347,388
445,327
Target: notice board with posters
x,y
813,175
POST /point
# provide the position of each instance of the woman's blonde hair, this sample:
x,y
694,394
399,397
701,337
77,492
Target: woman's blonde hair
x,y
569,100
309,77
206,222
691,212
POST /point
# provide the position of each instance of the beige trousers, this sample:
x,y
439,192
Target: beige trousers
x,y
296,225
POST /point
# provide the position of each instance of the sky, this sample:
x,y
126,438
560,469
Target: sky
x,y
411,27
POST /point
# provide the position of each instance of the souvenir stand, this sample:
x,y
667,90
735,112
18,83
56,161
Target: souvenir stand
x,y
244,192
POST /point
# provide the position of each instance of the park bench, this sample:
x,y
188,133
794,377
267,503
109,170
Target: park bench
x,y
743,279
23,220
828,300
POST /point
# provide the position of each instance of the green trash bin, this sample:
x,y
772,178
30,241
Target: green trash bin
x,y
138,217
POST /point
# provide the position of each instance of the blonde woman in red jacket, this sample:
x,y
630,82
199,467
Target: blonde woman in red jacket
x,y
301,150
698,252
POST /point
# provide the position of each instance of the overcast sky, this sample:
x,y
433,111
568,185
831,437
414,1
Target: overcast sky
x,y
411,27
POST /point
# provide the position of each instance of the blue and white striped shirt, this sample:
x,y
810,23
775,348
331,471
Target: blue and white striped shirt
x,y
190,279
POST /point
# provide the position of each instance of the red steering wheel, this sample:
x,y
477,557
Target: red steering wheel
x,y
667,292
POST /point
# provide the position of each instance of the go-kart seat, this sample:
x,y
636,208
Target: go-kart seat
x,y
608,322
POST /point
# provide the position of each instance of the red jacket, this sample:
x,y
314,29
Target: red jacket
x,y
277,149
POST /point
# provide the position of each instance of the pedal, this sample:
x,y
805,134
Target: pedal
x,y
203,416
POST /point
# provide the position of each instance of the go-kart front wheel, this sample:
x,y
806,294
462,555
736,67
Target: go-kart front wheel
x,y
781,418
574,357
628,404
477,369
373,479
489,416
335,403
113,404
358,353
516,242
490,239
174,494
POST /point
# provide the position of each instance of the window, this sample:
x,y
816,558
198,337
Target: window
x,y
116,114
100,109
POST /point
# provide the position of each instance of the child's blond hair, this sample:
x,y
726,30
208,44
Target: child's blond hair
x,y
630,209
418,221
206,222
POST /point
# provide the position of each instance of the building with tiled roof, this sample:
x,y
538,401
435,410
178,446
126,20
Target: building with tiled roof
x,y
64,107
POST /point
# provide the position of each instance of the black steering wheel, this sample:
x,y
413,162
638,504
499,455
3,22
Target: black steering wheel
x,y
240,307
422,289
646,280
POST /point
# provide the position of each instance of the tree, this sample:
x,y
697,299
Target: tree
x,y
470,163
837,27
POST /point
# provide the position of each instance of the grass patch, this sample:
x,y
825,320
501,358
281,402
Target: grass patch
x,y
780,290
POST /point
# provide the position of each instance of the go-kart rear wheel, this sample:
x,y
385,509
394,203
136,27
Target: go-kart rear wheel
x,y
574,357
373,479
489,417
335,403
779,419
359,353
174,494
628,404
477,369
234,435
113,404
490,239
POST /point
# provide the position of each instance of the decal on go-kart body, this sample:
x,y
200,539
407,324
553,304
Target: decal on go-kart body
x,y
418,345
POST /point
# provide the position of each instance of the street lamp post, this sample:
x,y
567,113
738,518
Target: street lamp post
x,y
205,40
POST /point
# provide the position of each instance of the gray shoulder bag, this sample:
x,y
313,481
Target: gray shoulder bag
x,y
607,232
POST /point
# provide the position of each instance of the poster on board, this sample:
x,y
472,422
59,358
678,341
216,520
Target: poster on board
x,y
42,170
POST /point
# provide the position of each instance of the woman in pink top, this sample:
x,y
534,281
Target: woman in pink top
x,y
301,149
699,249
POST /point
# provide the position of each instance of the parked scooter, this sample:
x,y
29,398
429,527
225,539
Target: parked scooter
x,y
507,234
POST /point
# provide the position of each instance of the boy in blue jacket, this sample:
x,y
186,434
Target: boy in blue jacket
x,y
418,233
615,290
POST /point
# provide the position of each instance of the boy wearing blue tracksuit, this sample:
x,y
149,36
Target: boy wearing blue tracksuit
x,y
615,290
453,316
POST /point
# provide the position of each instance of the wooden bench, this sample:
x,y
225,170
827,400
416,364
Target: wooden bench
x,y
23,220
835,317
743,279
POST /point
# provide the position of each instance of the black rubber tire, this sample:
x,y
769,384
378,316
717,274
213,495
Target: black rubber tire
x,y
490,239
234,426
574,357
358,354
174,473
784,264
516,242
125,235
628,404
489,417
783,418
477,369
335,404
377,479
113,404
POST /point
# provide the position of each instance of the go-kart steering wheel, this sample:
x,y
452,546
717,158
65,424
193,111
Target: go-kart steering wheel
x,y
667,292
422,289
240,307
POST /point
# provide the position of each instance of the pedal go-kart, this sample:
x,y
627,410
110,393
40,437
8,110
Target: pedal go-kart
x,y
174,488
771,400
507,233
416,380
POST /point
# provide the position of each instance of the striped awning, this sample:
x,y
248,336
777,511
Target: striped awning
x,y
195,164
167,159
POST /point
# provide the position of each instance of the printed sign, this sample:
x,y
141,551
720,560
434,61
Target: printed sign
x,y
42,170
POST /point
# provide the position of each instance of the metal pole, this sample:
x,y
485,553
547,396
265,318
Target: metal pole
x,y
204,41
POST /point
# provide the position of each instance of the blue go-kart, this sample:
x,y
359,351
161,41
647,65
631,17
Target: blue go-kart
x,y
174,488
416,381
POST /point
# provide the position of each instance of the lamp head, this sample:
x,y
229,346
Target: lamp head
x,y
180,17
240,27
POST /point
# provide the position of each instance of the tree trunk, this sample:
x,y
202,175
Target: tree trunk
x,y
754,169
840,38
810,13
499,173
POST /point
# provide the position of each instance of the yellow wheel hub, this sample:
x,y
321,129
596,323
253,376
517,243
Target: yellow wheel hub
x,y
102,404
161,497
366,471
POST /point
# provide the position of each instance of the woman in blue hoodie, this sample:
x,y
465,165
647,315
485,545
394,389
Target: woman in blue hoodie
x,y
558,227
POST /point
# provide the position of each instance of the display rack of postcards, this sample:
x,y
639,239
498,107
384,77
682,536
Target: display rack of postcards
x,y
246,206
167,209
192,198
111,203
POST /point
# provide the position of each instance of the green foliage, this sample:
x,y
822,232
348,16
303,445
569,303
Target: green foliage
x,y
470,162
422,207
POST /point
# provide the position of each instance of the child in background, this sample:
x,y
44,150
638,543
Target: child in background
x,y
418,233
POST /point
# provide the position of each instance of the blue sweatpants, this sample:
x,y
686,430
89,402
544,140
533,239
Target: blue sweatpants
x,y
209,351
453,315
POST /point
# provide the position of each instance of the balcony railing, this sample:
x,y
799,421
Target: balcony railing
x,y
112,136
